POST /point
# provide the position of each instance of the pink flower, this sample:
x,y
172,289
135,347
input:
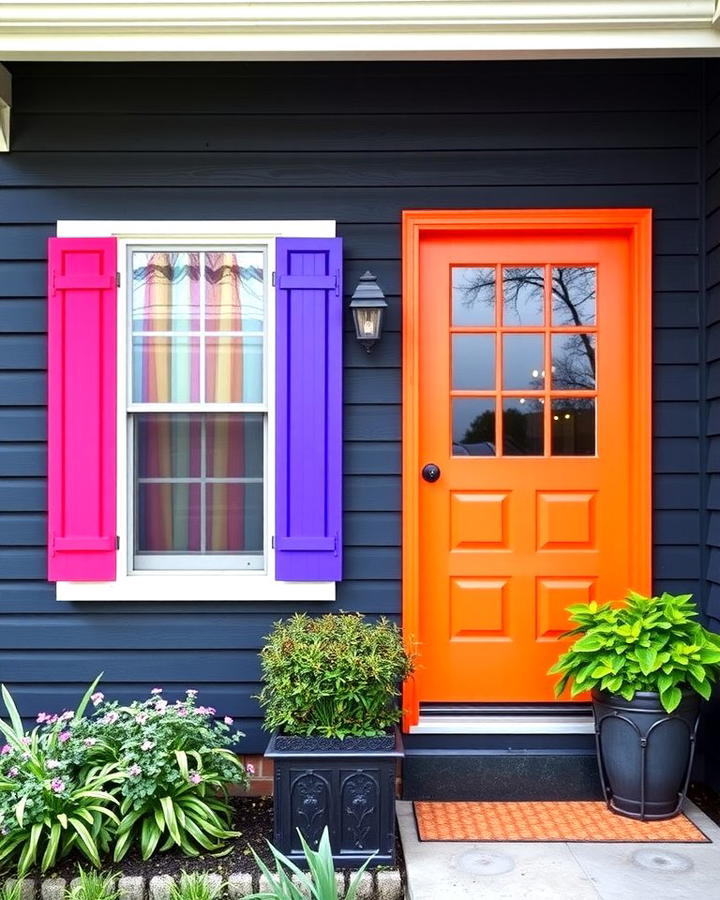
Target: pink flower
x,y
67,715
57,785
25,741
134,770
141,719
228,720
250,769
195,778
42,717
161,706
97,698
64,736
182,712
52,764
110,718
191,693
90,742
147,745
156,691
12,772
5,749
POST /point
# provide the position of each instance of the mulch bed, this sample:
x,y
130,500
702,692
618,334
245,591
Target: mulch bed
x,y
253,818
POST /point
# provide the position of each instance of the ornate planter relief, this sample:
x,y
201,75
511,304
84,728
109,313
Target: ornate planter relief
x,y
347,786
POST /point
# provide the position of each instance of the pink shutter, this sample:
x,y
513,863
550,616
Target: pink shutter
x,y
82,391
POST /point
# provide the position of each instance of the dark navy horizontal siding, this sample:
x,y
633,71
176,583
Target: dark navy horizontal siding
x,y
357,143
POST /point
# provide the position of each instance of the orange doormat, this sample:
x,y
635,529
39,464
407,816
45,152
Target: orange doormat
x,y
545,821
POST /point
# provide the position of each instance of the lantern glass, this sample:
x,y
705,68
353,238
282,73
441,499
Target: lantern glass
x,y
367,322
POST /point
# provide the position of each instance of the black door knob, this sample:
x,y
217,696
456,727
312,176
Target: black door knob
x,y
431,472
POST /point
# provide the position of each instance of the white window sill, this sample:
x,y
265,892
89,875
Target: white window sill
x,y
197,587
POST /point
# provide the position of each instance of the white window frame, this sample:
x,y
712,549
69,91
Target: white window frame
x,y
146,585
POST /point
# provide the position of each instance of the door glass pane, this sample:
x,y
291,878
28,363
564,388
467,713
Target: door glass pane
x,y
573,295
473,295
473,362
573,362
523,362
523,427
234,292
523,295
166,369
573,426
233,370
165,291
473,426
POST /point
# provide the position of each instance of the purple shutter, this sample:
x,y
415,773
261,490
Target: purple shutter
x,y
308,514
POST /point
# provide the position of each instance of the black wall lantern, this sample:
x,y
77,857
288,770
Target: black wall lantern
x,y
368,308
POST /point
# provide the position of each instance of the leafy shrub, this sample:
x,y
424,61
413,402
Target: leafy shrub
x,y
11,891
176,762
649,644
334,676
194,886
93,886
318,883
47,806
151,772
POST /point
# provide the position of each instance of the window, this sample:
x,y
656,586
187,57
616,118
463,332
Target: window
x,y
195,448
197,410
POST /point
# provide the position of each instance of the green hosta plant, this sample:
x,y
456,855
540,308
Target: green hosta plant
x,y
318,883
47,806
647,644
334,676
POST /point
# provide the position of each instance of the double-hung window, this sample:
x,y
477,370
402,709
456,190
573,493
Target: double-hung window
x,y
195,411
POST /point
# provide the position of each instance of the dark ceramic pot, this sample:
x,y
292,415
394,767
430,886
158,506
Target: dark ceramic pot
x,y
345,785
645,754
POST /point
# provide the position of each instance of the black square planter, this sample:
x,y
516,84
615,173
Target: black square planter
x,y
345,785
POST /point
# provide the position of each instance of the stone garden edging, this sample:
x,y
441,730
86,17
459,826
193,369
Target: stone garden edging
x,y
377,885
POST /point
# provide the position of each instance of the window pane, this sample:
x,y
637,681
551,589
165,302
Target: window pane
x,y
473,361
165,291
234,446
523,427
523,295
573,362
573,426
234,518
573,295
473,296
168,446
233,370
168,518
234,292
523,362
473,426
166,370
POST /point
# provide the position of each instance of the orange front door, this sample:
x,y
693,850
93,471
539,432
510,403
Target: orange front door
x,y
528,361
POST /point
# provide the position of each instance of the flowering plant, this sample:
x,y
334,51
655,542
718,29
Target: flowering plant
x,y
152,771
47,805
176,761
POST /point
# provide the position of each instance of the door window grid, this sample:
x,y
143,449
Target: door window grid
x,y
556,403
202,401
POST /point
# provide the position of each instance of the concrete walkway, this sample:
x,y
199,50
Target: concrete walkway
x,y
556,871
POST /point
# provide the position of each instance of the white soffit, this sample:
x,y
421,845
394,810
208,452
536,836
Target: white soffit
x,y
355,29
5,104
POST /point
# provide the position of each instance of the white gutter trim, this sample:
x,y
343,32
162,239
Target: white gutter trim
x,y
355,29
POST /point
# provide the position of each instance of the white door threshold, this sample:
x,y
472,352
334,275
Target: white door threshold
x,y
489,724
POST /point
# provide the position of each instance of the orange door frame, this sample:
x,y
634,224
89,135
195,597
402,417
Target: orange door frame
x,y
635,225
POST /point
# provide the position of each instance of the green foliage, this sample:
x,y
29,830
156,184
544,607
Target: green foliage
x,y
334,676
318,883
194,886
93,886
177,762
648,644
11,891
151,773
